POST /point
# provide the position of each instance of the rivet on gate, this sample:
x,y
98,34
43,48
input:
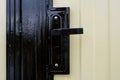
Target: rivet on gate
x,y
56,17
56,65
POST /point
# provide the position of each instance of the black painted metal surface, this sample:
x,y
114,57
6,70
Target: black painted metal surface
x,y
37,40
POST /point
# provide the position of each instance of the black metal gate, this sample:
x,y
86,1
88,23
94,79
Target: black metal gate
x,y
37,40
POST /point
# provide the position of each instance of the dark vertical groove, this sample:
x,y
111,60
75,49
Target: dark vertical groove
x,y
8,40
17,40
14,34
36,54
20,11
20,54
21,57
12,67
36,46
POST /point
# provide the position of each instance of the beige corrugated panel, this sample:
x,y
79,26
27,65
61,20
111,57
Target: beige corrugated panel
x,y
115,39
2,39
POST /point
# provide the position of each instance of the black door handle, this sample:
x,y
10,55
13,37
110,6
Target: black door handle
x,y
65,31
59,31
